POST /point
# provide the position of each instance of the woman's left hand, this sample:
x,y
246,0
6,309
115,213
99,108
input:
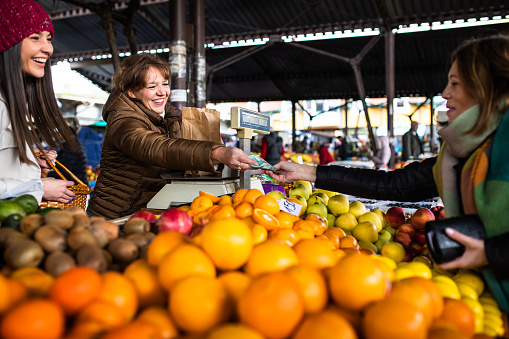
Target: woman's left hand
x,y
50,155
232,157
474,255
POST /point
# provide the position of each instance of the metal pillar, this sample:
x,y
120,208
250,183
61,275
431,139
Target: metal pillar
x,y
431,126
199,65
294,126
178,53
389,80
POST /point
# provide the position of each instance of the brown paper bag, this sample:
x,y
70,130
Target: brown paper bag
x,y
200,124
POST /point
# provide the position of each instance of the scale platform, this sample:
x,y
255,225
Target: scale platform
x,y
181,190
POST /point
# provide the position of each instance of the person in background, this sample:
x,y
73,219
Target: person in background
x,y
383,156
471,172
272,148
342,150
143,140
74,161
28,108
412,144
323,154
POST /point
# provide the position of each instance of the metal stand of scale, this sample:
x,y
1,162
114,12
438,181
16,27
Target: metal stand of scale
x,y
181,190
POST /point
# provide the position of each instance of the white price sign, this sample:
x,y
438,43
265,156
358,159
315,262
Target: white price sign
x,y
290,207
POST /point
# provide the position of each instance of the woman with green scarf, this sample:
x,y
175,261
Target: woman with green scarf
x,y
471,172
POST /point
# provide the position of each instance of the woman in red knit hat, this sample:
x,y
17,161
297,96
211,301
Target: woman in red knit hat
x,y
28,108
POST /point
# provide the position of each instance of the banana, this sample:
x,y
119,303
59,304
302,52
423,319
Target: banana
x,y
488,301
491,318
493,329
472,279
475,306
444,279
490,309
467,291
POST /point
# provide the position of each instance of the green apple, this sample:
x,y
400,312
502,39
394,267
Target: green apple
x,y
278,195
319,209
347,232
331,219
329,193
369,245
373,217
357,208
365,231
346,221
380,243
324,197
393,250
314,199
381,214
304,182
299,189
385,234
338,204
391,229
302,201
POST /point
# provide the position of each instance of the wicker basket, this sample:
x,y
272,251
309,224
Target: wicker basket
x,y
80,190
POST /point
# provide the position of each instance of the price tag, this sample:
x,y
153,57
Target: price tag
x,y
290,207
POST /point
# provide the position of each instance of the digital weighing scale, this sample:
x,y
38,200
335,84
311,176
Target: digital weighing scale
x,y
181,190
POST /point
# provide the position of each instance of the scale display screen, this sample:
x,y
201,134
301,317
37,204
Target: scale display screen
x,y
245,118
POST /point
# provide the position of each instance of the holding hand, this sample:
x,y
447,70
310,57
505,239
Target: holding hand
x,y
232,157
50,155
474,255
290,171
56,190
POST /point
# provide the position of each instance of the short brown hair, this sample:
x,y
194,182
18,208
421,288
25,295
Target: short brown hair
x,y
131,75
483,67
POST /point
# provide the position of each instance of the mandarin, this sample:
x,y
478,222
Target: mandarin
x,y
315,253
35,279
201,203
259,233
267,203
225,200
233,331
286,220
285,236
460,315
222,212
244,209
103,313
162,244
239,194
120,291
134,330
159,317
312,286
270,256
235,282
215,199
252,194
146,283
265,219
325,325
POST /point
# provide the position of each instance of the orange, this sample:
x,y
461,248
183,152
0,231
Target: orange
x,y
393,319
35,279
252,194
333,238
302,210
324,325
267,203
244,209
446,333
239,195
412,291
339,253
215,199
315,253
199,303
320,223
335,230
433,291
146,283
303,234
162,244
357,280
17,292
102,313
259,233
459,315
272,305
228,242
249,220
265,219
184,208
134,330
225,200
233,331
37,318
119,290
236,283
160,318
201,203
312,286
75,288
285,236
222,212
348,241
270,256
4,294
202,217
286,219
353,317
183,261
305,225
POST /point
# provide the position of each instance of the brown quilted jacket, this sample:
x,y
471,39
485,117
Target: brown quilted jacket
x,y
138,146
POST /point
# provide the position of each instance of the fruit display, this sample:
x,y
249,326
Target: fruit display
x,y
312,264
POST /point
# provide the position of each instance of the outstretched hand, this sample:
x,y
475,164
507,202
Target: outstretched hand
x,y
232,157
474,256
290,171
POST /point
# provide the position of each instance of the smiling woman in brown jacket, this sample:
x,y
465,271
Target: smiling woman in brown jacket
x,y
143,140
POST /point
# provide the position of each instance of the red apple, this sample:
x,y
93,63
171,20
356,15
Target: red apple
x,y
395,216
439,212
420,237
174,219
425,252
421,217
403,238
408,228
149,216
417,246
196,231
410,254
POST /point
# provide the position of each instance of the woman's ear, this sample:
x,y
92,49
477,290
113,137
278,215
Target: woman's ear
x,y
131,94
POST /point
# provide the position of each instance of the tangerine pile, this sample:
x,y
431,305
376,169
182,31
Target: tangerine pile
x,y
251,271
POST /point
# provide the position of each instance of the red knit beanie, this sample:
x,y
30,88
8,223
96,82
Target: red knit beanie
x,y
19,19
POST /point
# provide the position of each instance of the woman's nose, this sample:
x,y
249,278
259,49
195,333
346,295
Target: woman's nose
x,y
445,93
47,47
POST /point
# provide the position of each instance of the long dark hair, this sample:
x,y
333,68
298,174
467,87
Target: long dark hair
x,y
32,106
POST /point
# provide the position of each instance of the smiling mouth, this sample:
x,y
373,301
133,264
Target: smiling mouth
x,y
41,61
158,101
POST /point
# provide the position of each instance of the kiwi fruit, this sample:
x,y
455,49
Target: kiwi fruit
x,y
13,237
80,237
58,262
110,227
30,223
5,232
76,210
62,219
92,256
138,238
123,250
81,221
23,253
99,234
52,238
136,225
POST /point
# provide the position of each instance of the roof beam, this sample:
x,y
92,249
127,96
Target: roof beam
x,y
73,12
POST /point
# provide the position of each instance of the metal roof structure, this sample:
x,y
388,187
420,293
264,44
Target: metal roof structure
x,y
279,70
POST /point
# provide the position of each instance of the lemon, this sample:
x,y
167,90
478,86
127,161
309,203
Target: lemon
x,y
471,279
448,290
467,291
444,279
402,273
420,269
